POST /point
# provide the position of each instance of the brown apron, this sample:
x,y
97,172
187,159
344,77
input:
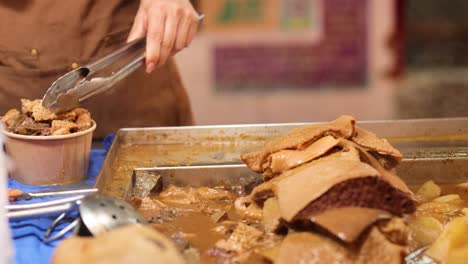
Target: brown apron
x,y
41,40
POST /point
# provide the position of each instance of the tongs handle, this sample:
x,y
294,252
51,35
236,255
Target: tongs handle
x,y
136,46
70,90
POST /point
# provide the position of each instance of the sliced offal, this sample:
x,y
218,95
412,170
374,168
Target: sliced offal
x,y
327,184
380,148
305,247
357,220
286,159
300,138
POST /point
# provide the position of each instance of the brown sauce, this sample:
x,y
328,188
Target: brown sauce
x,y
194,219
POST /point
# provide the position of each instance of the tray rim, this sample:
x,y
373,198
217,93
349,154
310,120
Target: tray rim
x,y
457,125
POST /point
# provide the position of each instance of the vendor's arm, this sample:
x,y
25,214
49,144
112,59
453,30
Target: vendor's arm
x,y
169,26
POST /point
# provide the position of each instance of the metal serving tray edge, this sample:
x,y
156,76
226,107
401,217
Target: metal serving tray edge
x,y
433,148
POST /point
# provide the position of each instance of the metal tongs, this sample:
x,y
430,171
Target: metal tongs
x,y
78,85
68,91
27,210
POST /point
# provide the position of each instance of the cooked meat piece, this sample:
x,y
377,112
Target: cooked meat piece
x,y
11,117
243,238
136,201
201,197
147,203
257,256
172,191
28,105
79,111
243,245
60,127
42,114
67,116
39,121
45,132
247,209
181,240
378,249
314,248
271,215
372,142
129,244
346,152
36,110
84,121
388,155
254,160
29,127
221,256
219,216
370,192
152,209
284,160
358,219
329,183
387,162
300,139
61,131
395,230
386,174
269,255
265,190
214,194
226,227
178,195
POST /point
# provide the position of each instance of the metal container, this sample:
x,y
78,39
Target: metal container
x,y
434,149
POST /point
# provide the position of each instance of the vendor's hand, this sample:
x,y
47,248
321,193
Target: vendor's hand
x,y
169,26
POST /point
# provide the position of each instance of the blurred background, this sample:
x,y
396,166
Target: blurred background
x,y
270,61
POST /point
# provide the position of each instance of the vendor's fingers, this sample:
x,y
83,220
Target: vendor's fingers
x,y
155,35
182,34
170,34
193,30
139,26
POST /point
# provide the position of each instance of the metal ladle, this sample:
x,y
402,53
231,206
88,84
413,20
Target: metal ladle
x,y
97,214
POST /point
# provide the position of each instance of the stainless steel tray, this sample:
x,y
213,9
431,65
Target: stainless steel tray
x,y
433,149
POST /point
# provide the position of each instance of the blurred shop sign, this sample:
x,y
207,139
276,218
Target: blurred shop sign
x,y
299,14
337,59
239,15
259,15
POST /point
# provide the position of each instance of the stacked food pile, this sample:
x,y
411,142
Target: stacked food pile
x,y
329,194
332,188
36,120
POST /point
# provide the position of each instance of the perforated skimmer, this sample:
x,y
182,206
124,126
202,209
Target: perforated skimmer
x,y
97,214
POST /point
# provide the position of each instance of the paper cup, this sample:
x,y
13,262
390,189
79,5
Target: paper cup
x,y
49,160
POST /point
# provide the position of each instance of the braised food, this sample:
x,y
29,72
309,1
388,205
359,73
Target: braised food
x,y
329,194
36,120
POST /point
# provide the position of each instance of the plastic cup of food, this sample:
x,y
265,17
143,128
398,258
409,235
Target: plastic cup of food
x,y
49,160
